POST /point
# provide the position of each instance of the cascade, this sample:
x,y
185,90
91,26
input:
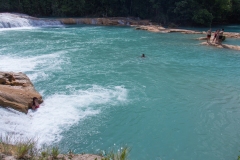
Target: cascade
x,y
10,20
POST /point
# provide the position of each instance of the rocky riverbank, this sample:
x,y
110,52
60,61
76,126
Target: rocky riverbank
x,y
147,26
59,157
160,29
111,21
26,149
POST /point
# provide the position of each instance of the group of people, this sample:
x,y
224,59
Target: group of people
x,y
218,36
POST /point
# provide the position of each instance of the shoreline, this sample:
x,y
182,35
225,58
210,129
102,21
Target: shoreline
x,y
135,23
147,25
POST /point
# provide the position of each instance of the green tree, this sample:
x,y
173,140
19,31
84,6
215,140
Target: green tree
x,y
203,17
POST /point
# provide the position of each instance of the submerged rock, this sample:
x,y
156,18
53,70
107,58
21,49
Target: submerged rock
x,y
227,46
157,28
17,91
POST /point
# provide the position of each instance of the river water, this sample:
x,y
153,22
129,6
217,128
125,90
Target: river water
x,y
180,102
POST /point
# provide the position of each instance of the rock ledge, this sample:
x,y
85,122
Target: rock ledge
x,y
17,91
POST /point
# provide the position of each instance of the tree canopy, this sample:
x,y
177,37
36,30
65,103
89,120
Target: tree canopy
x,y
199,12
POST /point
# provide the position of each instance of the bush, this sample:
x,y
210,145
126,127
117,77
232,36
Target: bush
x,y
55,152
24,148
4,147
120,155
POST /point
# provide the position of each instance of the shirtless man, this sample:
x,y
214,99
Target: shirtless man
x,y
220,37
209,32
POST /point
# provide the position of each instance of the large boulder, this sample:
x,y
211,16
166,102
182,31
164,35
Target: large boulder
x,y
17,91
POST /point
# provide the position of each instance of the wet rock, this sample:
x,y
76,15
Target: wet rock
x,y
17,91
222,46
111,21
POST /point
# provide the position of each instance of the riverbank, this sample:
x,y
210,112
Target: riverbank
x,y
147,25
26,149
138,24
160,29
111,21
60,157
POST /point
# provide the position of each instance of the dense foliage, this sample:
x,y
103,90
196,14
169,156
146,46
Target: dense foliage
x,y
200,12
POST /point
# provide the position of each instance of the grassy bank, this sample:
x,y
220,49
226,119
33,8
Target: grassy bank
x,y
19,148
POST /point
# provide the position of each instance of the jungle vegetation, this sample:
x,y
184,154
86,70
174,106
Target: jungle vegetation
x,y
181,12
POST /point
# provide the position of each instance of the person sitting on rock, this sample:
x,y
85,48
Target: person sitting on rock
x,y
35,103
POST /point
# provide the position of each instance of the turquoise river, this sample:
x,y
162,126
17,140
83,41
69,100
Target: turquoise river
x,y
181,102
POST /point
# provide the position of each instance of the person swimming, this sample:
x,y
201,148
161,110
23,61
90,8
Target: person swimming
x,y
35,103
143,56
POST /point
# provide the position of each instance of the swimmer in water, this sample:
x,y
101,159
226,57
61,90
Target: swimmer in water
x,y
143,56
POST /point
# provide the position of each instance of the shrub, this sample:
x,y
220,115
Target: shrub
x,y
120,155
55,152
4,145
25,147
45,153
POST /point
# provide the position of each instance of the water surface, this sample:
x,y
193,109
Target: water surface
x,y
180,102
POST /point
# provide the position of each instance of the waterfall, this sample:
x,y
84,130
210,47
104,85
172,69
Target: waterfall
x,y
10,20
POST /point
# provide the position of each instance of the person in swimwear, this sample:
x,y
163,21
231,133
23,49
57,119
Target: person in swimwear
x,y
209,32
215,35
35,103
220,37
143,56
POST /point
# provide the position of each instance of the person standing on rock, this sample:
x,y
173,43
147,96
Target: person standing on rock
x,y
220,37
209,32
215,36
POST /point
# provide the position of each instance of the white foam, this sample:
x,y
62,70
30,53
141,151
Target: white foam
x,y
36,64
59,112
8,20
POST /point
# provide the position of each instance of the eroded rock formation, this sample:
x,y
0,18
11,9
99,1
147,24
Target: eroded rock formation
x,y
17,91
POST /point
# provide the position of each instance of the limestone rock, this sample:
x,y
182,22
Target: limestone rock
x,y
151,28
17,91
111,21
68,21
222,46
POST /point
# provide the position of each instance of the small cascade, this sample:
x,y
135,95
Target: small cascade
x,y
9,20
